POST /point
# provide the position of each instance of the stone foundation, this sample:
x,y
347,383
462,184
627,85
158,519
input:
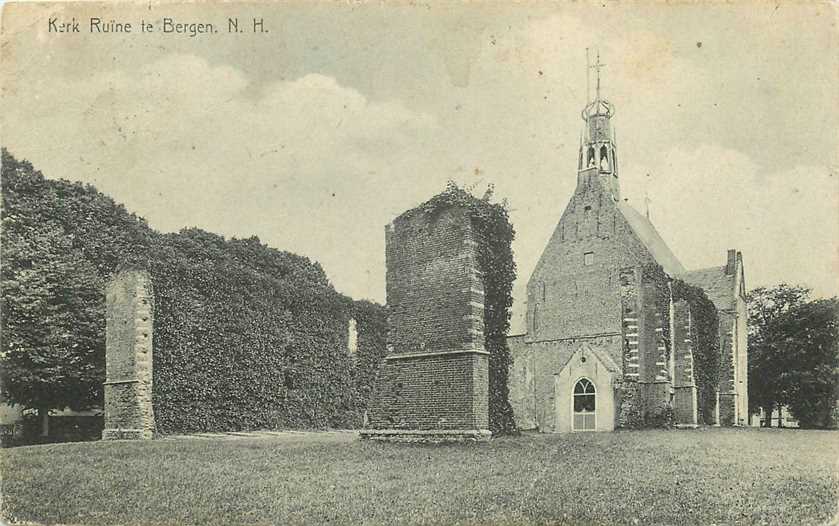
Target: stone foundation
x,y
433,436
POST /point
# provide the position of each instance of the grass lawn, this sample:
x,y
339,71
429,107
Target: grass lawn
x,y
711,476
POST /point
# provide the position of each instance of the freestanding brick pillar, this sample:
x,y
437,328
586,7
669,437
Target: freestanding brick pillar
x,y
433,383
128,357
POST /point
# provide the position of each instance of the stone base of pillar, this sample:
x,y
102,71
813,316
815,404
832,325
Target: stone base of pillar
x,y
127,434
433,436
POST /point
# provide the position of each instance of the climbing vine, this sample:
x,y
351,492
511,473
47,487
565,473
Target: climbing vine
x,y
654,273
494,235
706,345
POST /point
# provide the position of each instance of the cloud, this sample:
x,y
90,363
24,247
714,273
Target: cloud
x,y
708,198
305,163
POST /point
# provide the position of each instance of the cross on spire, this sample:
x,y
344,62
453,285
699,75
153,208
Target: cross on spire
x,y
596,67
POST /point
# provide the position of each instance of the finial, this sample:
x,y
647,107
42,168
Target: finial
x,y
597,65
596,106
588,82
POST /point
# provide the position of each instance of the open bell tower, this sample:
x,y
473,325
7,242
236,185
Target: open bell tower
x,y
598,151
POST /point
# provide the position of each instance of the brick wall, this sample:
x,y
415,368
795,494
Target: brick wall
x,y
535,406
434,288
567,297
128,357
435,377
522,383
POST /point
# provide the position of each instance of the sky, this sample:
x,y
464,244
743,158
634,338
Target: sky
x,y
318,131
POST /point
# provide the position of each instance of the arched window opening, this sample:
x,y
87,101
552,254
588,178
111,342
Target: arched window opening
x,y
584,405
535,317
604,159
590,159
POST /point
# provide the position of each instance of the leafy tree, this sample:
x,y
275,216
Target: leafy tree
x,y
768,386
809,344
52,275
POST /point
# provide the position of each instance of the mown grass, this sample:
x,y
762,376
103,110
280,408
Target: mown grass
x,y
720,476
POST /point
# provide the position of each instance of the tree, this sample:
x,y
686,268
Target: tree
x,y
809,344
769,387
60,241
53,321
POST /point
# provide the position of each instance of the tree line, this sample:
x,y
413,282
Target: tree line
x,y
793,355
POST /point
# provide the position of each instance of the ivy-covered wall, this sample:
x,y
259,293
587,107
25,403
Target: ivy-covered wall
x,y
645,404
644,396
245,336
706,345
248,337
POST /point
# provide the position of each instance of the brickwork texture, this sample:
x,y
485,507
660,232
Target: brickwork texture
x,y
129,411
435,376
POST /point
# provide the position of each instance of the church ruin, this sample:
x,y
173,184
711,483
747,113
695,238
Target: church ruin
x,y
433,384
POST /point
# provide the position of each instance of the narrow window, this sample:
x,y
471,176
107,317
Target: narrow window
x,y
588,258
352,336
584,405
544,291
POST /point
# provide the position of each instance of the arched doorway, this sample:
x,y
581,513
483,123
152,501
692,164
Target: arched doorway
x,y
585,398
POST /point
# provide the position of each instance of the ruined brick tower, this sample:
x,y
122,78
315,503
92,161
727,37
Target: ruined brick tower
x,y
433,384
128,357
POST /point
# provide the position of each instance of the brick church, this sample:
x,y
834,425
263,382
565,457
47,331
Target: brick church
x,y
596,346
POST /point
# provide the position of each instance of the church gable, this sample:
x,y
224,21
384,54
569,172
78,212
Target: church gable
x,y
573,290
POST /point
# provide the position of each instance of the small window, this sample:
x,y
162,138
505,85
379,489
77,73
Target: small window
x,y
588,258
352,336
544,291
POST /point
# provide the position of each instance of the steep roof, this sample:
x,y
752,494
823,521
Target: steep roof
x,y
718,286
649,236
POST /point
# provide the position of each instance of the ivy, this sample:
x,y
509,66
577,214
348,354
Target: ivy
x,y
654,274
249,337
706,344
704,336
245,336
494,236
